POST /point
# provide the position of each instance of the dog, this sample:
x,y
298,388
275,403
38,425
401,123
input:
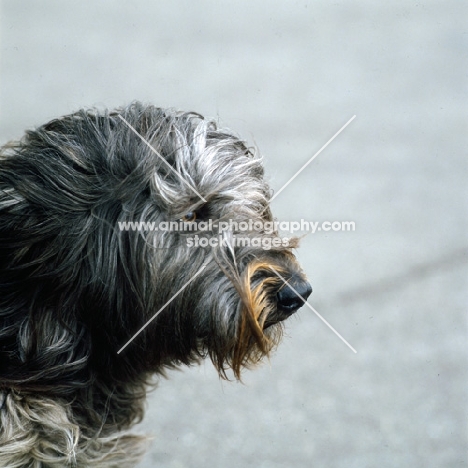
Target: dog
x,y
75,286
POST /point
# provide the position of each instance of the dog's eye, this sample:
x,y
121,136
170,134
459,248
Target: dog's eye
x,y
189,217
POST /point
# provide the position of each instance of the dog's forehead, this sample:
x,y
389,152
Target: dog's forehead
x,y
194,162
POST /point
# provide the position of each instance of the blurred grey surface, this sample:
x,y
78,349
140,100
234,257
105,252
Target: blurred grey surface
x,y
287,76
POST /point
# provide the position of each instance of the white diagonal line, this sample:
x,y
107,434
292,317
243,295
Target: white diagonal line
x,y
312,158
161,309
328,325
160,157
314,311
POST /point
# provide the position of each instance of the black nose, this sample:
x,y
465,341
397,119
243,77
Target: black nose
x,y
293,295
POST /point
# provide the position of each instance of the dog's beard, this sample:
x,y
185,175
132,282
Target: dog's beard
x,y
231,309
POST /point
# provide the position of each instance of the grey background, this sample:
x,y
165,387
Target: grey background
x,y
287,76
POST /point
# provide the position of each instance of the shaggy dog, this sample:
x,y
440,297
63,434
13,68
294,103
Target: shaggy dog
x,y
75,286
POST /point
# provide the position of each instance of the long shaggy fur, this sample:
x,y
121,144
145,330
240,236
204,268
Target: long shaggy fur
x,y
73,287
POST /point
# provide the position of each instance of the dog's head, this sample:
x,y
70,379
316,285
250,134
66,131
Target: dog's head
x,y
80,274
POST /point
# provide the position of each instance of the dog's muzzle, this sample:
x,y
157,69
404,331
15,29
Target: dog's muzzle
x,y
293,295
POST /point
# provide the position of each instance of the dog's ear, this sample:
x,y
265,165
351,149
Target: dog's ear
x,y
40,336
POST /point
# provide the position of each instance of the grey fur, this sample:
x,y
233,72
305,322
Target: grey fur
x,y
73,287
